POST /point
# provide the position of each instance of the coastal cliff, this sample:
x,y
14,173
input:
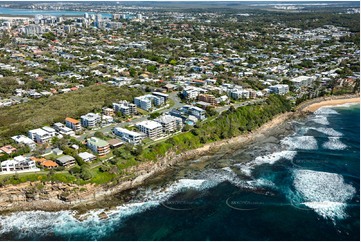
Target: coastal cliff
x,y
52,196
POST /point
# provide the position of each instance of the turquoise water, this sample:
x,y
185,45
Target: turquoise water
x,y
305,186
29,12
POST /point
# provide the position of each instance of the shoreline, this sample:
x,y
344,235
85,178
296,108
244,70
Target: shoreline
x,y
59,196
329,103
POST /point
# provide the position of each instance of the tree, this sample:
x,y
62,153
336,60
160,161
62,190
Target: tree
x,y
86,173
173,62
154,115
137,150
99,135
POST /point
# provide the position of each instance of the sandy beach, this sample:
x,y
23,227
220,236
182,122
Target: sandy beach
x,y
315,106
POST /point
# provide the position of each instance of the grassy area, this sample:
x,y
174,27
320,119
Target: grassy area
x,y
107,156
101,177
46,111
14,179
142,112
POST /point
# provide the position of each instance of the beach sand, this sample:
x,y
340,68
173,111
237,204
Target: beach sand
x,y
315,106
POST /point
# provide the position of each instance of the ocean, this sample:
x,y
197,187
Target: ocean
x,y
303,185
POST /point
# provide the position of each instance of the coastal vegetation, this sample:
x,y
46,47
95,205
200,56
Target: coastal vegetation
x,y
48,110
228,124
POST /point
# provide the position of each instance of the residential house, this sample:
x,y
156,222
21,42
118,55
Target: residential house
x,y
8,149
65,160
49,164
86,156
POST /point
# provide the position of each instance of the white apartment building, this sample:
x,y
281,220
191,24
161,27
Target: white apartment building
x,y
169,123
42,135
125,108
90,120
62,129
129,136
302,81
151,128
145,102
22,139
280,89
19,163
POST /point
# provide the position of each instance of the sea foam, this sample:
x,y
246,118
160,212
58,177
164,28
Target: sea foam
x,y
326,193
334,143
327,131
246,168
325,111
320,119
300,142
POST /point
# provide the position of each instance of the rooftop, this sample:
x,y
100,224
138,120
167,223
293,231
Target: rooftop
x,y
149,124
97,142
71,120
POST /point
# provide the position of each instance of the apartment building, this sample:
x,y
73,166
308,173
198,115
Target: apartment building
x,y
151,128
190,92
280,89
62,129
170,123
128,135
108,111
90,120
73,124
207,98
145,102
42,135
302,81
19,163
195,111
98,146
22,139
126,108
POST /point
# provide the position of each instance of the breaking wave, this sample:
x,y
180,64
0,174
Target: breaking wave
x,y
266,159
327,131
300,142
334,143
325,111
326,193
320,119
